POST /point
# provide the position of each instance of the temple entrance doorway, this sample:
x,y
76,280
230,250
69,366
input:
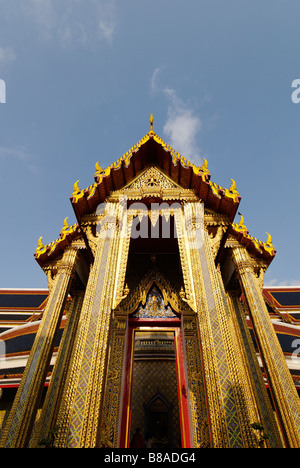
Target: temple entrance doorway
x,y
154,398
154,390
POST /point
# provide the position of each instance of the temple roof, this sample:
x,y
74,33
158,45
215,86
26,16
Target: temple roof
x,y
67,235
151,150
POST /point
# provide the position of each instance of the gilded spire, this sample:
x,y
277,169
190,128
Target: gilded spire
x,y
151,122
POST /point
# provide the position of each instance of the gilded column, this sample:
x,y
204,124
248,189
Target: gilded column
x,y
254,383
229,420
17,431
47,420
283,389
80,414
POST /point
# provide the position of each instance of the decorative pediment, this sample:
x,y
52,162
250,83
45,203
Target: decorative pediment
x,y
153,297
155,306
153,183
152,178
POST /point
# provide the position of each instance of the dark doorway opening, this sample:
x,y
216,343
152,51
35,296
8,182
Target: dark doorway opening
x,y
159,421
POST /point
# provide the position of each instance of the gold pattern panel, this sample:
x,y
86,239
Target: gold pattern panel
x,y
111,407
197,398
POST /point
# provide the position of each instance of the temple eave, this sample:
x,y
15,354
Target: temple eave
x,y
54,249
254,246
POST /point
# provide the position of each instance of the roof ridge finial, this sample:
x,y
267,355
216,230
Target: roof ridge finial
x,y
151,122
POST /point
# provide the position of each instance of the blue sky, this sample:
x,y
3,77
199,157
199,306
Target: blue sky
x,y
83,76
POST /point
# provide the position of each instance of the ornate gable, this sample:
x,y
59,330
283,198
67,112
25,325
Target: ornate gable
x,y
153,183
154,178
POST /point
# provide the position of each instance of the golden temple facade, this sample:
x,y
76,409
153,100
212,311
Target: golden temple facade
x,y
157,294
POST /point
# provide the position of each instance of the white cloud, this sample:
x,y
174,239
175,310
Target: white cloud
x,y
2,92
19,153
279,283
107,21
7,55
154,77
182,127
70,22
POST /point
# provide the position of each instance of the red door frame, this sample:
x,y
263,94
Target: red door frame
x,y
166,324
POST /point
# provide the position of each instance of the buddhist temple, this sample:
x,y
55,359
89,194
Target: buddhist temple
x,y
155,317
